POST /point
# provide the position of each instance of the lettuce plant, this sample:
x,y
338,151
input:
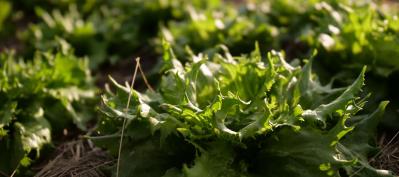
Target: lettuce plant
x,y
71,27
347,34
241,116
108,31
205,29
40,98
350,34
356,34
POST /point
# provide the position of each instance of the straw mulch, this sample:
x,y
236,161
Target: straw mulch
x,y
77,159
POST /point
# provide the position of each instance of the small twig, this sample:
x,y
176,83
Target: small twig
x,y
103,137
15,171
126,111
145,78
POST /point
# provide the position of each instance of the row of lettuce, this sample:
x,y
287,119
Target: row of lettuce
x,y
221,108
356,33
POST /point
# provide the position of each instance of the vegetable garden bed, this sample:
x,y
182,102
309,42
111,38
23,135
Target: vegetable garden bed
x,y
175,88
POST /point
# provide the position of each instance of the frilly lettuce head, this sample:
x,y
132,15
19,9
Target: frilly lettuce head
x,y
251,115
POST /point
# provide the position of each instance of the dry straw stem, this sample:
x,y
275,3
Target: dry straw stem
x,y
124,120
138,67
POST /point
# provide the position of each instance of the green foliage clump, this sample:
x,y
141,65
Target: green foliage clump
x,y
353,32
108,31
205,29
347,34
40,98
241,116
